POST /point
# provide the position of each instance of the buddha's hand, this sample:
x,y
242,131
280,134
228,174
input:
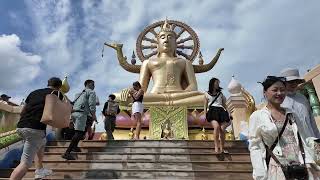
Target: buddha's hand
x,y
125,95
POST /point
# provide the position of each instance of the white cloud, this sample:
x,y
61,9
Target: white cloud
x,y
17,67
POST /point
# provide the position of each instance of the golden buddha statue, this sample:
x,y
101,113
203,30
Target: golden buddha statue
x,y
174,80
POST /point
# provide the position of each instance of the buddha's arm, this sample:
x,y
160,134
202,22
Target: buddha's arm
x,y
144,75
190,77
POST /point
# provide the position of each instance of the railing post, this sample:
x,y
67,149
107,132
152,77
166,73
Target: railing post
x,y
313,98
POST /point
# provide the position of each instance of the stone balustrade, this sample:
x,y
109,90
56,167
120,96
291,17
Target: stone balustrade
x,y
9,116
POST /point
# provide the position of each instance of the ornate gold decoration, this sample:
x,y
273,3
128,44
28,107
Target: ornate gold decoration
x,y
201,61
229,136
170,79
249,98
166,27
183,32
65,85
103,136
131,134
167,132
203,135
177,116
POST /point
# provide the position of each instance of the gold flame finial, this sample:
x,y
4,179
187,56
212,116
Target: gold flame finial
x,y
166,27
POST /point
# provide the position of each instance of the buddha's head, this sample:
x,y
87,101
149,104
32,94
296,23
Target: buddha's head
x,y
167,40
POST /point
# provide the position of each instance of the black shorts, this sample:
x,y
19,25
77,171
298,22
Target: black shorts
x,y
218,114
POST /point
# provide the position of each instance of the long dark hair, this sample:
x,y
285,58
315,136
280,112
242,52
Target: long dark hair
x,y
137,84
211,85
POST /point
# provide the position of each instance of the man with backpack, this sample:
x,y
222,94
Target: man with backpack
x,y
110,110
83,105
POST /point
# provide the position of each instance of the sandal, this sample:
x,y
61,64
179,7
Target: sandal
x,y
225,152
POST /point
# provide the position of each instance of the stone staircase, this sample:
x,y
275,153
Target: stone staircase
x,y
146,159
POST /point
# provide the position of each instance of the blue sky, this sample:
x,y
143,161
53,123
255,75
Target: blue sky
x,y
40,39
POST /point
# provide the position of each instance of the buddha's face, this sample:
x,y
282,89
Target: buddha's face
x,y
167,42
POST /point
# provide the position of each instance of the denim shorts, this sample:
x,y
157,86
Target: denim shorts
x,y
34,139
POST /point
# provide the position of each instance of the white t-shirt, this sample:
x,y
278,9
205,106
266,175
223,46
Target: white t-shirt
x,y
218,101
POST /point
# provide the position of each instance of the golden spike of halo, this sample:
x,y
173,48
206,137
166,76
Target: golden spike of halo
x,y
166,27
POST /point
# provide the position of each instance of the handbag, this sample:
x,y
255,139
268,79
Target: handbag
x,y
294,170
56,112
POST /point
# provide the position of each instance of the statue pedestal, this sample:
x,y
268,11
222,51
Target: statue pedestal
x,y
175,115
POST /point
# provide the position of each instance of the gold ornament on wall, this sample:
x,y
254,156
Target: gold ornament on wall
x,y
131,134
204,136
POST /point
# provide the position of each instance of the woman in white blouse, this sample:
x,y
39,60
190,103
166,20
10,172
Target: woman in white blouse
x,y
217,114
264,128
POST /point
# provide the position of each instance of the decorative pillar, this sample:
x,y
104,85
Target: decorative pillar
x,y
240,105
313,98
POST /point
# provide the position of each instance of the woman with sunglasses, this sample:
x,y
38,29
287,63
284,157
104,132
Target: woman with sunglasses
x,y
276,149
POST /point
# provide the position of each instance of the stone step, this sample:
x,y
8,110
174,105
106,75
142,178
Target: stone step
x,y
146,159
145,149
150,143
151,156
74,173
147,164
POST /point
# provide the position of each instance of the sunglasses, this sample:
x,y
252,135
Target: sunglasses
x,y
276,78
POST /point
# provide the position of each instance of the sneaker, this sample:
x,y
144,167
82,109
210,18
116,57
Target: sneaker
x,y
68,156
76,149
41,173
